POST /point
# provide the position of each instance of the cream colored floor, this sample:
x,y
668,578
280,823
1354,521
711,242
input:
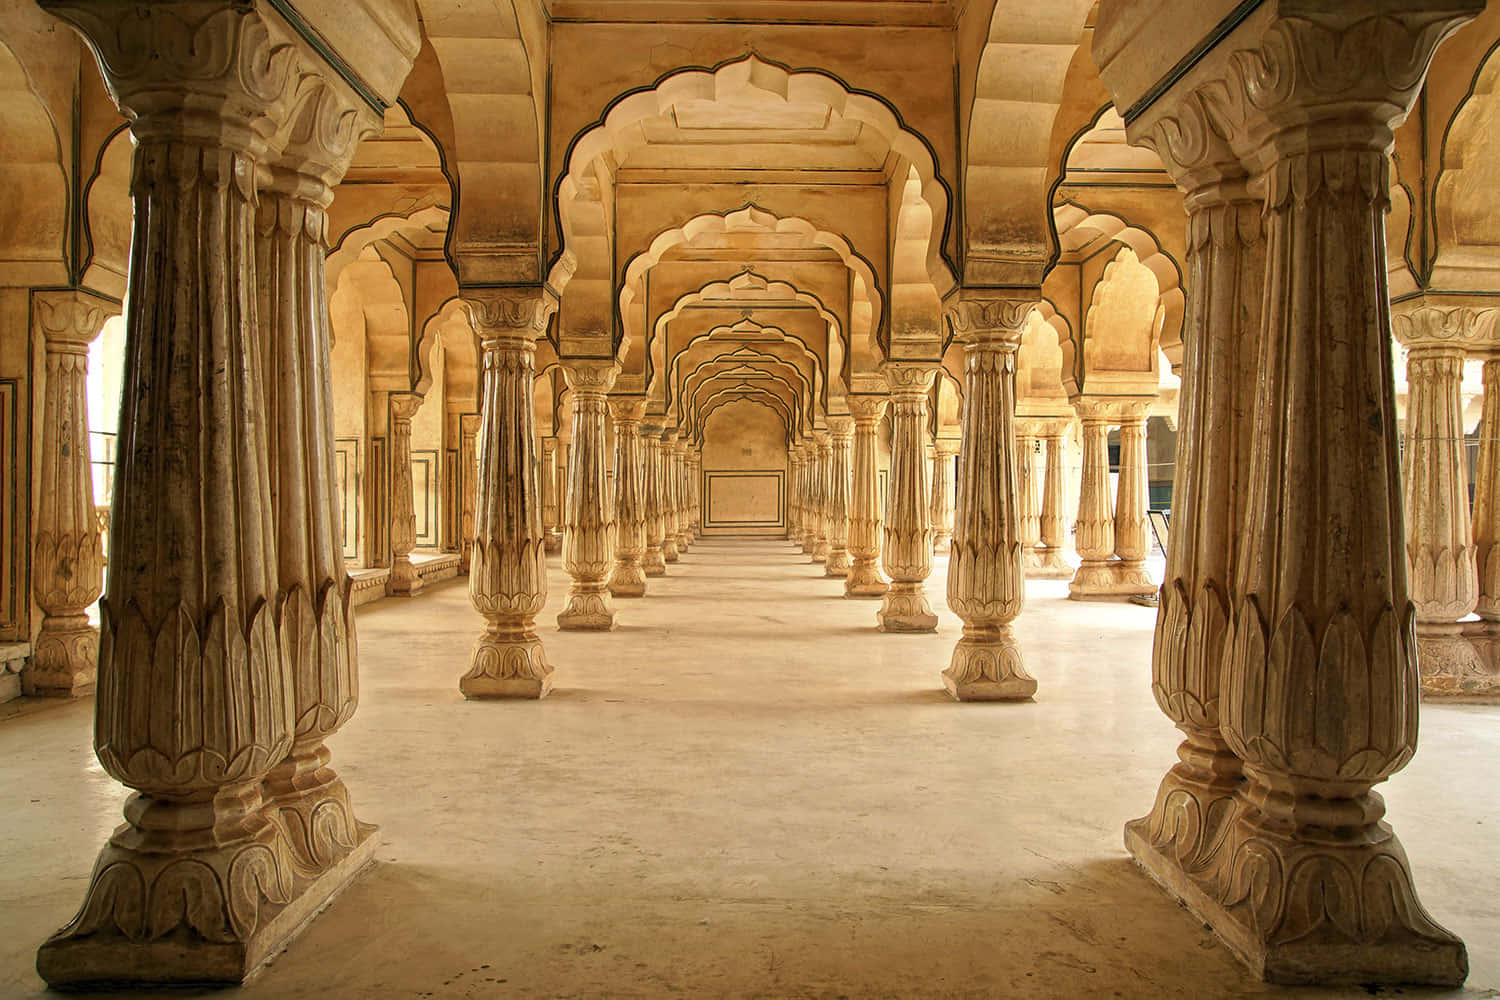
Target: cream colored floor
x,y
746,791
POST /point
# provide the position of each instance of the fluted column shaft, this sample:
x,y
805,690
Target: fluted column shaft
x,y
653,562
794,495
865,579
695,489
671,506
943,452
1132,498
840,435
1094,533
1487,498
468,485
589,509
628,578
1052,556
684,495
986,586
508,573
823,486
405,580
907,555
1028,511
551,505
67,567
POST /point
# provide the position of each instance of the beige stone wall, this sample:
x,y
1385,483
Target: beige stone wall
x,y
744,471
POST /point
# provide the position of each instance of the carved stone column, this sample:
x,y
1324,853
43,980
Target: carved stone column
x,y
684,496
1051,552
1318,692
809,492
794,495
1094,533
1440,552
822,462
196,699
1486,634
908,535
986,586
589,514
652,561
1132,497
1179,840
695,490
944,450
468,485
1028,513
551,501
629,578
67,567
508,577
865,579
670,502
840,433
405,580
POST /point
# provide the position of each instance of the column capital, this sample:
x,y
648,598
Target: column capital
x,y
867,409
909,378
69,319
593,376
468,424
1428,323
404,405
513,316
992,317
1113,409
627,411
947,446
841,427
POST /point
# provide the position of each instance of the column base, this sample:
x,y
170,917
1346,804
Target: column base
x,y
809,544
202,918
942,541
837,564
987,666
1046,564
628,579
865,580
551,542
64,661
905,609
820,551
684,540
508,663
652,563
1305,913
669,551
587,611
1458,661
405,581
1105,580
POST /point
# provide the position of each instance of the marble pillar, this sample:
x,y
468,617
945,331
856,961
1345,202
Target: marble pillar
x,y
907,555
1440,554
1051,551
809,451
986,585
1485,634
654,521
551,495
206,630
405,580
1132,498
628,578
666,470
1028,511
1318,682
1094,531
865,578
840,473
589,508
67,561
695,490
684,494
794,495
822,462
508,573
468,485
943,452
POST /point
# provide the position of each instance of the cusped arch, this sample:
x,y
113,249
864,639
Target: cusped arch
x,y
353,243
748,330
750,75
739,363
33,183
1468,236
744,390
759,399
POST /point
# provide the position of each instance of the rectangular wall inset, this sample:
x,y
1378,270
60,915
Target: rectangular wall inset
x,y
744,503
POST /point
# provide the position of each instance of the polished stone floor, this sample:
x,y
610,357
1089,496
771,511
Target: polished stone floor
x,y
747,791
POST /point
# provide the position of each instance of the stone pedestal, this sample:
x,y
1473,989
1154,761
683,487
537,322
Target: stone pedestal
x,y
1318,672
986,587
508,576
865,579
67,565
907,555
405,581
589,509
628,578
840,473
